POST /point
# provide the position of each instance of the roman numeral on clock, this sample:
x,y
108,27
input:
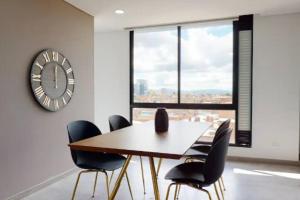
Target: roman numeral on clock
x,y
56,105
69,70
69,92
39,92
47,101
64,101
63,62
46,56
36,77
71,81
55,56
39,65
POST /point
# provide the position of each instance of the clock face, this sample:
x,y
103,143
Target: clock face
x,y
52,80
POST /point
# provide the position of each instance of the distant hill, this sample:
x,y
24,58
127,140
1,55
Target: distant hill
x,y
207,91
195,92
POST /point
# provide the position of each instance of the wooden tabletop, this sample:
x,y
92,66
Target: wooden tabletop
x,y
141,139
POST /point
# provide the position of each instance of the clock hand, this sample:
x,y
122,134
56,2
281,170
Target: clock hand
x,y
55,76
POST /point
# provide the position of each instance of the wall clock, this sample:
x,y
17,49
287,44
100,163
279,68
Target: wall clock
x,y
52,80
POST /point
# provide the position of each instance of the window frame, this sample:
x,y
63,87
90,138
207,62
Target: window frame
x,y
200,106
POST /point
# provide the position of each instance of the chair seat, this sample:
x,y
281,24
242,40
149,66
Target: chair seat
x,y
194,154
190,173
102,161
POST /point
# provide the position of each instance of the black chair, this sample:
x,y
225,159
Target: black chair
x,y
117,122
200,151
92,161
202,174
205,148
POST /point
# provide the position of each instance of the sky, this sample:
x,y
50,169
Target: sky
x,y
206,57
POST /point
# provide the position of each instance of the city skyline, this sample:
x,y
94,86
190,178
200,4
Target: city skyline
x,y
138,81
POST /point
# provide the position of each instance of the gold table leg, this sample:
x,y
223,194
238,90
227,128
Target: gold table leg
x,y
143,176
154,178
158,167
120,177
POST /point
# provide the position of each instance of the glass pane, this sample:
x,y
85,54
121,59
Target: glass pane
x,y
155,66
207,64
216,117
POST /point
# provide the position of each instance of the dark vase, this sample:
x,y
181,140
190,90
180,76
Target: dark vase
x,y
161,120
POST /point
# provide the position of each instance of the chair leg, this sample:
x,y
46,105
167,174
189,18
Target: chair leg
x,y
178,191
222,193
143,176
129,185
223,183
95,185
76,184
178,187
168,191
207,192
158,167
107,184
111,176
217,191
175,194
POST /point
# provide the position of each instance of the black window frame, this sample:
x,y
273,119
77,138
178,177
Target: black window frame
x,y
233,106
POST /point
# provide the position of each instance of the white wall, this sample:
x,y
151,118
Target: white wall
x,y
275,84
276,71
111,76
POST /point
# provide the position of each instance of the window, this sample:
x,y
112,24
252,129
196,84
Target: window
x,y
207,64
155,66
193,71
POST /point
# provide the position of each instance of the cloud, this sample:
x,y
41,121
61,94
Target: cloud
x,y
206,58
155,51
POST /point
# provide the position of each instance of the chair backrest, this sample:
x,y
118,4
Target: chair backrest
x,y
215,162
79,130
223,126
117,122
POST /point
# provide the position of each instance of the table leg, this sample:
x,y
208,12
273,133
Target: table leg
x,y
154,178
120,177
158,167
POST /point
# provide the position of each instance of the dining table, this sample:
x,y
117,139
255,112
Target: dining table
x,y
142,140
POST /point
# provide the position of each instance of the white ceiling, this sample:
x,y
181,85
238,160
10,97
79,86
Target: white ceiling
x,y
151,12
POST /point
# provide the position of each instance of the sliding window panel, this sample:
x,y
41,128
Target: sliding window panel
x,y
155,74
207,63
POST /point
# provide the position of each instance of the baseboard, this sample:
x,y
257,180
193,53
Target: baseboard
x,y
42,185
263,160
